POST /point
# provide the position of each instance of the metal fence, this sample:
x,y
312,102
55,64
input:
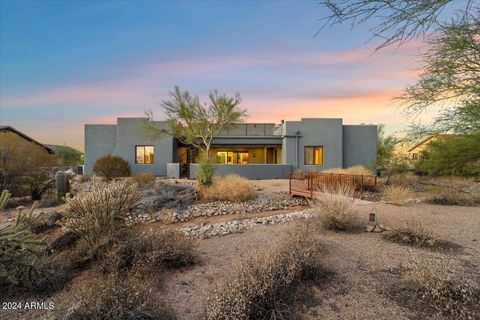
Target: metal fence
x,y
309,184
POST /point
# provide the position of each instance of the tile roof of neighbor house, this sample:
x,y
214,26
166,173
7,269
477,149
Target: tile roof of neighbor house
x,y
11,129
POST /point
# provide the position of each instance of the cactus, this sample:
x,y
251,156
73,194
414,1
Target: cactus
x,y
61,184
18,246
4,197
92,215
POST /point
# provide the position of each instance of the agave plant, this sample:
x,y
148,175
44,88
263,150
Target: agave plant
x,y
18,246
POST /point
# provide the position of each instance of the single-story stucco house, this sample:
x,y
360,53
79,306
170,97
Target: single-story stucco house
x,y
252,150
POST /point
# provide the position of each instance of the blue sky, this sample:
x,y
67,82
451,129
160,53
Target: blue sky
x,y
64,64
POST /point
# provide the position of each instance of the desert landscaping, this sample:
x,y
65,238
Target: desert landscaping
x,y
240,160
184,252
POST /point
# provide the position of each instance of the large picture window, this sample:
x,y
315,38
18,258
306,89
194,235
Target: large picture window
x,y
144,154
314,155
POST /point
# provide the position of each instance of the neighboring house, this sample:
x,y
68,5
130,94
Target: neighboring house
x,y
17,138
68,156
253,150
414,151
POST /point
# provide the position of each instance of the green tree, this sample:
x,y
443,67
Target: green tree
x,y
450,80
398,21
451,64
388,162
454,155
194,123
385,147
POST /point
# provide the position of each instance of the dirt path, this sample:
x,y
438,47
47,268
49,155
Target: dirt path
x,y
363,263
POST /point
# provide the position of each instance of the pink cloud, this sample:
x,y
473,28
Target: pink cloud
x,y
143,82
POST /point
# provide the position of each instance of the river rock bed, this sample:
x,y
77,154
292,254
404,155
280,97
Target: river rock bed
x,y
263,202
224,228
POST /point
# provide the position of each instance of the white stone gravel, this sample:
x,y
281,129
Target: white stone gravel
x,y
263,202
235,226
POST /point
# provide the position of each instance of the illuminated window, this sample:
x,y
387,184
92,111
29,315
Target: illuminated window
x,y
144,154
232,157
222,157
314,155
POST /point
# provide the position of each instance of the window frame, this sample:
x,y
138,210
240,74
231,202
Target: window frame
x,y
313,149
144,154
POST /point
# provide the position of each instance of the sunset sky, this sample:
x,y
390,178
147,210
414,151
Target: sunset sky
x,y
64,64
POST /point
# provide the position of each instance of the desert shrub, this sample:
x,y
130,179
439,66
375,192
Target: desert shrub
x,y
413,233
112,167
153,250
397,194
38,183
206,171
263,281
82,178
105,209
21,159
443,294
357,170
56,269
173,196
405,179
19,248
144,179
229,188
452,197
114,298
453,155
49,200
336,210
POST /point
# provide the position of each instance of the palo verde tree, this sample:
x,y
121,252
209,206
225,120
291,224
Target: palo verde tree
x,y
385,147
194,123
450,77
450,80
197,124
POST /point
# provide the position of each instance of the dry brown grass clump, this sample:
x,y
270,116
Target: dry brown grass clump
x,y
151,250
144,179
337,211
260,286
229,188
82,178
114,298
357,170
439,292
413,233
452,197
397,194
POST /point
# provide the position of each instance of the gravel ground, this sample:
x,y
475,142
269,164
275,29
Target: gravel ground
x,y
364,264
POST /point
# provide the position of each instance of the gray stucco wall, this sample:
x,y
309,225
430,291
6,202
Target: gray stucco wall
x,y
130,133
100,140
121,140
359,145
313,132
253,140
343,146
249,171
173,170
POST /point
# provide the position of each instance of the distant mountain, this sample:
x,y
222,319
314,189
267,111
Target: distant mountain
x,y
69,155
